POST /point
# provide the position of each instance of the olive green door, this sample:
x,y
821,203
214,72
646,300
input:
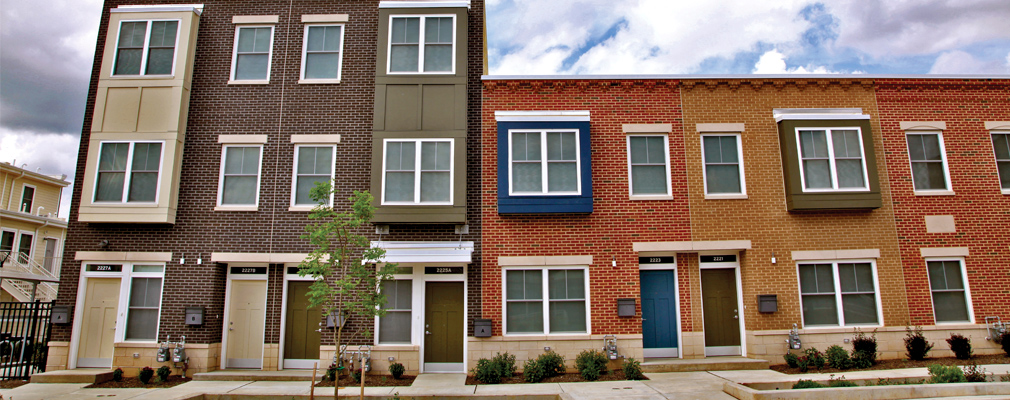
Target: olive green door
x,y
443,327
301,335
722,321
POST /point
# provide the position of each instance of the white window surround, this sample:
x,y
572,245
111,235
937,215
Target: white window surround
x,y
126,277
838,293
424,4
816,114
259,178
704,168
949,191
964,281
294,175
545,299
1000,178
832,160
128,174
420,45
305,53
541,116
418,171
146,49
31,201
544,163
234,55
666,158
378,320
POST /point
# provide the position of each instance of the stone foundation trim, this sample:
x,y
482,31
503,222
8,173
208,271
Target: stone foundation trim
x,y
255,19
266,258
121,256
835,254
692,246
528,338
315,138
719,127
203,357
544,260
992,125
242,139
647,128
59,355
923,125
943,251
325,18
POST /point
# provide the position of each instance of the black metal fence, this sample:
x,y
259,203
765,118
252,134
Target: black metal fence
x,y
24,338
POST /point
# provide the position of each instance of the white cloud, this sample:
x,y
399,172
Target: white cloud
x,y
960,62
50,154
774,62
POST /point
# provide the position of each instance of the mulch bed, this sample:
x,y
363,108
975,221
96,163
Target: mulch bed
x,y
901,363
616,375
371,380
12,383
136,383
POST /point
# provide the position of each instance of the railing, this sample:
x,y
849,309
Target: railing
x,y
21,262
24,338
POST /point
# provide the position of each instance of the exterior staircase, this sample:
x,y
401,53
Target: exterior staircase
x,y
21,289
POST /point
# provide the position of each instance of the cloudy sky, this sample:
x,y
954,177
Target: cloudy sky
x,y
44,73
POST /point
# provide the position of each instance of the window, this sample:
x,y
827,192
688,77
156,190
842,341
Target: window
x,y
251,60
648,160
831,159
25,247
146,48
947,285
394,327
417,171
839,294
1001,146
322,52
313,164
7,241
534,172
240,175
27,198
129,168
723,173
407,50
565,308
144,305
929,163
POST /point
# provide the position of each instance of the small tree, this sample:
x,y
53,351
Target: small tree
x,y
342,261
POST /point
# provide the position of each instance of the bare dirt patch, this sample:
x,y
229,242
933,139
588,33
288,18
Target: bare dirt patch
x,y
371,380
136,383
12,383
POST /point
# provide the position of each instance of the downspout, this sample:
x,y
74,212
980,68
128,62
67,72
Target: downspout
x,y
11,196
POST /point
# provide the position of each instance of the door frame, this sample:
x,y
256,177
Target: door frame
x,y
284,310
57,250
227,305
676,294
735,266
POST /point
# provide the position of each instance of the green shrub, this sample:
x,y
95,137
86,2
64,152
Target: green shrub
x,y
396,369
960,345
916,345
506,364
838,357
814,357
942,374
533,372
163,372
552,363
356,375
117,375
803,364
487,372
862,359
331,373
591,364
864,349
791,360
1005,343
632,370
807,384
146,374
974,373
840,382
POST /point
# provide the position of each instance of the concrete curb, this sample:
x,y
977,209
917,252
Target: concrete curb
x,y
921,391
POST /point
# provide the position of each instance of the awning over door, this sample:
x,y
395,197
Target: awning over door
x,y
426,252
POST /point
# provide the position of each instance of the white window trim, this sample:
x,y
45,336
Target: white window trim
x,y
967,291
125,285
127,180
294,176
305,48
838,293
417,172
220,181
234,57
949,191
125,300
631,190
21,201
829,131
543,163
739,155
147,43
545,300
998,177
378,320
420,45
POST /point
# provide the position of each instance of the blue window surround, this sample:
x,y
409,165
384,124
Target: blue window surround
x,y
580,204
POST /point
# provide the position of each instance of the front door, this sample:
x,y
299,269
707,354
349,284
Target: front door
x,y
47,262
98,328
301,334
722,322
443,329
245,324
659,313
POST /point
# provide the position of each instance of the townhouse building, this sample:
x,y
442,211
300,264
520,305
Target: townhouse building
x,y
207,124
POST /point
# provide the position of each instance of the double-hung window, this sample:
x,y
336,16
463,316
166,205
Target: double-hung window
x,y
839,294
417,171
240,176
1001,146
252,52
544,162
421,44
948,287
722,157
144,304
831,159
146,48
128,172
394,327
27,198
649,165
929,161
559,306
313,164
322,52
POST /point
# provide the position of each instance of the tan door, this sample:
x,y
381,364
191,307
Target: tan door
x,y
722,322
301,335
47,262
443,329
98,328
245,324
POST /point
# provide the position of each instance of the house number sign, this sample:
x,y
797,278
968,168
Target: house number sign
x,y
715,259
442,270
105,268
655,260
248,270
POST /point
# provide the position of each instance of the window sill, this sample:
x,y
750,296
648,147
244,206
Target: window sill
x,y
153,77
837,328
236,208
395,347
933,192
124,204
547,336
300,208
650,197
728,196
256,82
421,73
1005,191
317,81
953,323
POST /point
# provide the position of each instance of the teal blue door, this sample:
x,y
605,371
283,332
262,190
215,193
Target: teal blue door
x,y
659,313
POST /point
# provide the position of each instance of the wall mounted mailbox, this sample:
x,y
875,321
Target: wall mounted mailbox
x,y
481,328
194,315
60,315
768,303
625,307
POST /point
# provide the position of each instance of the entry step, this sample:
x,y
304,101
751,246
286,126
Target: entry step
x,y
80,375
703,364
257,375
